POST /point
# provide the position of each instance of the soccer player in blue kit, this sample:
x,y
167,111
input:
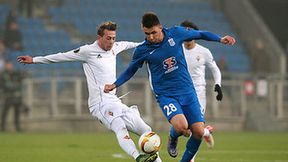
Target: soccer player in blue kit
x,y
171,83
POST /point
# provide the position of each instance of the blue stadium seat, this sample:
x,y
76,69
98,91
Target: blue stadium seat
x,y
86,14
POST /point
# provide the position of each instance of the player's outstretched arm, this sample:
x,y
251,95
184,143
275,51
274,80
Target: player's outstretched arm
x,y
125,76
109,87
25,59
228,40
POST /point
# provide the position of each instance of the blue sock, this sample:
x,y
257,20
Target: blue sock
x,y
192,147
173,133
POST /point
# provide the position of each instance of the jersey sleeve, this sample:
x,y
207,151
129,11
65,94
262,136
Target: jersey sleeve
x,y
135,64
79,54
124,45
210,62
188,34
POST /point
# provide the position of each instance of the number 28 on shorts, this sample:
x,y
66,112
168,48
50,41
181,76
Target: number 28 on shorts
x,y
169,109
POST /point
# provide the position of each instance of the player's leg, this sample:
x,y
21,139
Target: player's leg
x,y
172,142
196,125
4,114
17,107
208,138
193,142
109,115
193,159
133,120
127,144
207,133
173,112
179,127
135,123
123,137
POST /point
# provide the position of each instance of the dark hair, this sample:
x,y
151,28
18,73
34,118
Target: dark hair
x,y
150,19
108,25
189,24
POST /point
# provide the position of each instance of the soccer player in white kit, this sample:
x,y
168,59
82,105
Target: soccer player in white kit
x,y
197,58
99,64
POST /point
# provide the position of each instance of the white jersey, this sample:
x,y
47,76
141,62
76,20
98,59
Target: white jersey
x,y
99,67
197,59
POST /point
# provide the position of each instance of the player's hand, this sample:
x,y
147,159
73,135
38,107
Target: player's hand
x,y
217,89
109,87
228,40
25,59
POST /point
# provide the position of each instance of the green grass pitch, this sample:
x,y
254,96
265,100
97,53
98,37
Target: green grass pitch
x,y
103,147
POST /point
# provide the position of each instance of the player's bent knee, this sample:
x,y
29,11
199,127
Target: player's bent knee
x,y
118,125
180,123
181,129
198,133
147,129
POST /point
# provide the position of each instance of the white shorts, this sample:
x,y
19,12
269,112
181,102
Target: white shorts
x,y
201,94
107,112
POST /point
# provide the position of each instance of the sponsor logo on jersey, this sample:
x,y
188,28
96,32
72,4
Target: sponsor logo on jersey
x,y
171,42
170,64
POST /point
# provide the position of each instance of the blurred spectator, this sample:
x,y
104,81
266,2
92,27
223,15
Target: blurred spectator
x,y
222,63
11,87
260,64
11,18
26,7
13,37
2,55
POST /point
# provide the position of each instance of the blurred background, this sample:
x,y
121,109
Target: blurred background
x,y
50,98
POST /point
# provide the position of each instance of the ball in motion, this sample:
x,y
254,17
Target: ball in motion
x,y
149,142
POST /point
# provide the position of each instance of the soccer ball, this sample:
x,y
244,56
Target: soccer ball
x,y
149,142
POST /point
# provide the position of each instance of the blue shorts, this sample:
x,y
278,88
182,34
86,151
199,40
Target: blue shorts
x,y
172,106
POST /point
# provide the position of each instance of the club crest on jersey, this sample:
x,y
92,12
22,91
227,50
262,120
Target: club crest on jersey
x,y
187,28
170,64
99,56
171,42
198,58
110,113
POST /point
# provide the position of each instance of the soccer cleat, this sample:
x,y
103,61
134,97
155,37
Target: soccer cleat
x,y
172,147
209,139
147,157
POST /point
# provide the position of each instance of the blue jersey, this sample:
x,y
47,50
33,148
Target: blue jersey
x,y
166,62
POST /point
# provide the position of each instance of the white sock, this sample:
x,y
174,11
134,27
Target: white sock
x,y
206,132
123,137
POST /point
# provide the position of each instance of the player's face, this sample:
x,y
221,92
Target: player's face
x,y
189,44
154,34
107,40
